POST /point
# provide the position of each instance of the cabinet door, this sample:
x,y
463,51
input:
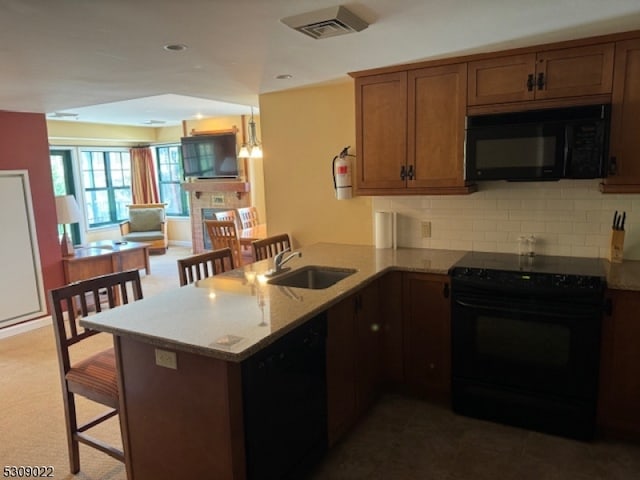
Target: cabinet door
x,y
381,131
392,362
502,80
437,109
368,351
427,335
573,72
624,171
619,402
341,393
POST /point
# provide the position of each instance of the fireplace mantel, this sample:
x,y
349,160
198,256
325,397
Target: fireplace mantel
x,y
209,186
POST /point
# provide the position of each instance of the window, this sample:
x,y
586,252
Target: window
x,y
169,178
106,176
62,176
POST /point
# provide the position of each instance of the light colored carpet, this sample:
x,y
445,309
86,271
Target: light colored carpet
x,y
31,411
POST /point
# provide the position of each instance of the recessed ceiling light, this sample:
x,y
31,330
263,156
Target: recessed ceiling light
x,y
175,47
154,122
284,76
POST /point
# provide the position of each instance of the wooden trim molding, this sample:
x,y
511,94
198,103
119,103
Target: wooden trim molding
x,y
615,37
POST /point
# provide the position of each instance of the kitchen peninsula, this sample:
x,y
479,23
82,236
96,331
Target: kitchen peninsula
x,y
181,354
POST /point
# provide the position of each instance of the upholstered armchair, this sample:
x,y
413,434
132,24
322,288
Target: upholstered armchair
x,y
147,223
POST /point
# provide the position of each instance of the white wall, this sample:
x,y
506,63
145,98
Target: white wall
x,y
569,217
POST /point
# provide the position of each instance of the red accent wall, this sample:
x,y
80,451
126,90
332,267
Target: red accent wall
x,y
24,145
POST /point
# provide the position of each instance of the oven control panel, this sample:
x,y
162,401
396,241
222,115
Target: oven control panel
x,y
499,278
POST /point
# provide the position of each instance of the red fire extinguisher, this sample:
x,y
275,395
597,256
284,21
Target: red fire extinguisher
x,y
342,174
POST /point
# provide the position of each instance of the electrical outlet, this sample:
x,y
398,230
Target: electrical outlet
x,y
166,359
426,229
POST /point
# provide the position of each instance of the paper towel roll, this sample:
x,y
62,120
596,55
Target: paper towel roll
x,y
384,229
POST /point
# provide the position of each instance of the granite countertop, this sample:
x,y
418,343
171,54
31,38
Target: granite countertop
x,y
623,276
233,315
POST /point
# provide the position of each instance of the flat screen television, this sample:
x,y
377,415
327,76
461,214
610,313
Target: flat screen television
x,y
210,156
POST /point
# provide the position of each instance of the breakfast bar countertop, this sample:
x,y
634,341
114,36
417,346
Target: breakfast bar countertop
x,y
232,315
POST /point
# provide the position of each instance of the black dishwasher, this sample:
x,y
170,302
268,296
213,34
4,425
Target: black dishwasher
x,y
285,404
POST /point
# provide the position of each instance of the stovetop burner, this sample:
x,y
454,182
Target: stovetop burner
x,y
522,274
555,265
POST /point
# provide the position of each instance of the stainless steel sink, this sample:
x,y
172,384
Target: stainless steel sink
x,y
312,276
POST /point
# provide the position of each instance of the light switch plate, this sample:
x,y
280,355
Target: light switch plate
x,y
167,359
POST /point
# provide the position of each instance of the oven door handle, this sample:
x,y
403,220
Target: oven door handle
x,y
518,310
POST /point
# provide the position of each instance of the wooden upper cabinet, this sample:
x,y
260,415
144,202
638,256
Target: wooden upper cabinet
x,y
410,132
550,74
624,166
574,72
437,108
501,80
381,130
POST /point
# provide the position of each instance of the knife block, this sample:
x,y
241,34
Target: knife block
x,y
617,246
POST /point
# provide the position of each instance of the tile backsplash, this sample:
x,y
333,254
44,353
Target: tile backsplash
x,y
569,217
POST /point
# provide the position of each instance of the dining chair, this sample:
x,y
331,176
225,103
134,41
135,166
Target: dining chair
x,y
248,216
224,234
270,246
93,377
227,216
203,265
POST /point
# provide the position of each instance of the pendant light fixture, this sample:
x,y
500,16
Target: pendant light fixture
x,y
252,149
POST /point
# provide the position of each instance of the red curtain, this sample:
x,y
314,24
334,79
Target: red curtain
x,y
143,176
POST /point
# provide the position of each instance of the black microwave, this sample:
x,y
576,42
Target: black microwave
x,y
548,144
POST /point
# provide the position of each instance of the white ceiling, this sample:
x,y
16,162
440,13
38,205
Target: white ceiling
x,y
104,59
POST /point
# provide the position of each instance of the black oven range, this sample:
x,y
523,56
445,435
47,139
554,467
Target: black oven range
x,y
525,335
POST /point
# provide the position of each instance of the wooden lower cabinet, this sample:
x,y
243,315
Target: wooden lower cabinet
x,y
353,359
427,334
368,348
190,417
619,399
391,323
341,386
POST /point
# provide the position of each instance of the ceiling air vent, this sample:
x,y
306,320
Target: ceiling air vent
x,y
325,23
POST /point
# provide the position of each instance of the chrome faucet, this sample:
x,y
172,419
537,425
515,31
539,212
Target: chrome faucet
x,y
279,261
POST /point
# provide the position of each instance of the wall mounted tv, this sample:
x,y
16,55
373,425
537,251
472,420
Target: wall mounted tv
x,y
210,156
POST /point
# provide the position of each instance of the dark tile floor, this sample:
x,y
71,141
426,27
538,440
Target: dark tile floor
x,y
405,438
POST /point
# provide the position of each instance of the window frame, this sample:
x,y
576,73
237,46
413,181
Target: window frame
x,y
184,210
109,187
